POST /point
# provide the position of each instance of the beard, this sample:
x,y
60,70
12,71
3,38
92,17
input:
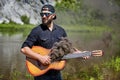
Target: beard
x,y
47,22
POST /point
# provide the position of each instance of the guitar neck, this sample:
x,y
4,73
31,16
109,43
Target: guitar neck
x,y
77,55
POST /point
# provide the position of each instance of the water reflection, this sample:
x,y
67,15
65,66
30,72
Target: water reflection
x,y
10,57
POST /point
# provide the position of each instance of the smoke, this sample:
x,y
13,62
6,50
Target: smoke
x,y
91,12
106,6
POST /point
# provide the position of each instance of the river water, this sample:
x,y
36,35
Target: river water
x,y
10,56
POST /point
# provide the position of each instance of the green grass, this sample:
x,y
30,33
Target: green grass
x,y
26,28
68,27
15,26
18,75
114,64
86,28
11,29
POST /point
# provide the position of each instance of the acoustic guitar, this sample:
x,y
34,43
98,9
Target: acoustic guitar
x,y
35,68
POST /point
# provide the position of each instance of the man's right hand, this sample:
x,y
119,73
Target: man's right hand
x,y
45,60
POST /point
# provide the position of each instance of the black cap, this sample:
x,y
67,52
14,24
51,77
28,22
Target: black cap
x,y
48,7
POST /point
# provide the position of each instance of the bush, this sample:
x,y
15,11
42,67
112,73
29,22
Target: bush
x,y
25,19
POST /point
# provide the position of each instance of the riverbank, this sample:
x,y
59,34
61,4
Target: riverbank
x,y
68,28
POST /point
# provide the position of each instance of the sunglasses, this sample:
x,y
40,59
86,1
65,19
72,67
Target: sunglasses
x,y
46,14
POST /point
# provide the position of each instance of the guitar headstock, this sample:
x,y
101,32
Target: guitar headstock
x,y
97,53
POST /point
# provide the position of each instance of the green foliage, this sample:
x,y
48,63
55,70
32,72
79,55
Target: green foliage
x,y
11,22
95,71
25,19
117,2
1,76
17,75
67,4
91,73
28,76
15,28
114,64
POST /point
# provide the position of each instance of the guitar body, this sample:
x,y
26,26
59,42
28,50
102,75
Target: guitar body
x,y
35,68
